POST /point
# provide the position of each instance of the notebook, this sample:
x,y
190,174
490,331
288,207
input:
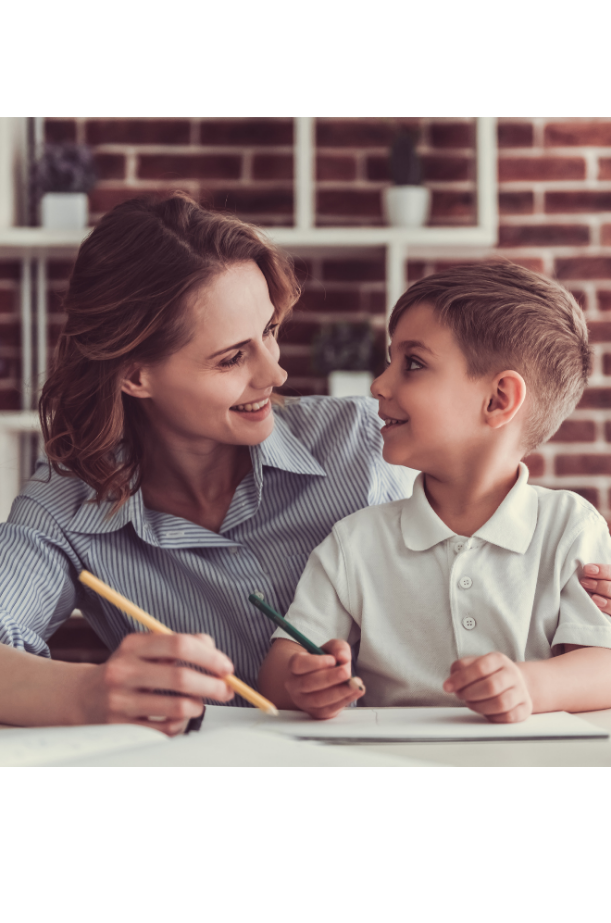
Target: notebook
x,y
405,724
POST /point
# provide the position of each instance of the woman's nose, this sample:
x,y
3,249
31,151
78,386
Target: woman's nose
x,y
269,372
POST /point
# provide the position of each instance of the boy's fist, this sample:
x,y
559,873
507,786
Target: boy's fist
x,y
318,684
492,685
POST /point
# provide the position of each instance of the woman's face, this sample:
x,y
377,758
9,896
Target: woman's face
x,y
217,387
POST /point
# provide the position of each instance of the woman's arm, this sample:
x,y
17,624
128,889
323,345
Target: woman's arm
x,y
596,579
36,691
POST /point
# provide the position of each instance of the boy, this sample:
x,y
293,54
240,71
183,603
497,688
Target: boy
x,y
467,592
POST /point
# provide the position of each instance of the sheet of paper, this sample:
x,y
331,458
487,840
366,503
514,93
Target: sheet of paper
x,y
405,724
242,745
44,746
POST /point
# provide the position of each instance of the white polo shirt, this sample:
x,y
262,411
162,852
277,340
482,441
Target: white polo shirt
x,y
416,596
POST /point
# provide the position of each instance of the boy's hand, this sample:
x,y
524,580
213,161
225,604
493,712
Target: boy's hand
x,y
492,685
317,684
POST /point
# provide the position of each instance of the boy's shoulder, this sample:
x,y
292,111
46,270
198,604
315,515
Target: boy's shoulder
x,y
372,520
565,512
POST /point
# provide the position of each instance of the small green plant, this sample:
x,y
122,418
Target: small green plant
x,y
343,347
404,160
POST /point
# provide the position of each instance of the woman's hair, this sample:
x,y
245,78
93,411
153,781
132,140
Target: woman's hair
x,y
506,317
128,302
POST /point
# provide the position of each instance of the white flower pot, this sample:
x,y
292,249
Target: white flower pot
x,y
406,206
350,384
64,210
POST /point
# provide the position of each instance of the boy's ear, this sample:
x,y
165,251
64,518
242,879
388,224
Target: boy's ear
x,y
135,382
506,396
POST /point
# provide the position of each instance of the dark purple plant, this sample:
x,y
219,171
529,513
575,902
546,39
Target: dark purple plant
x,y
65,168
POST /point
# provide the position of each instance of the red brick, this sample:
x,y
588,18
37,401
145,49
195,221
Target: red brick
x,y
415,270
544,235
314,386
608,430
374,302
10,333
575,431
588,493
582,201
110,166
55,301
8,301
273,167
10,399
452,134
6,369
351,202
335,168
584,267
103,199
353,133
240,132
59,131
607,364
297,366
535,464
452,205
297,331
303,270
10,269
353,270
327,301
582,464
59,269
604,168
541,168
603,299
605,235
516,203
189,166
249,202
447,169
515,134
600,331
377,168
595,399
138,131
581,132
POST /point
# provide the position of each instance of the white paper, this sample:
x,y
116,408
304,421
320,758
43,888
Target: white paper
x,y
405,724
242,745
44,746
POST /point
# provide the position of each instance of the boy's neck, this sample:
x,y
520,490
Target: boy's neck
x,y
468,498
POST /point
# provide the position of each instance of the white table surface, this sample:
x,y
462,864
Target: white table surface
x,y
495,753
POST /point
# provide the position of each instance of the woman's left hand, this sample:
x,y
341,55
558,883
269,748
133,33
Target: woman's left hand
x,y
596,579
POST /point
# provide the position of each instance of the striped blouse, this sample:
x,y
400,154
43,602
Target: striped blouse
x,y
322,462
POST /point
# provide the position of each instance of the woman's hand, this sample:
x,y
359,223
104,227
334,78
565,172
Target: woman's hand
x,y
318,684
596,579
122,690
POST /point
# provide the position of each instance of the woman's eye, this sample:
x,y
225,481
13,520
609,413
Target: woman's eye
x,y
235,360
271,329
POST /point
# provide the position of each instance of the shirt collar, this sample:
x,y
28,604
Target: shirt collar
x,y
281,450
511,526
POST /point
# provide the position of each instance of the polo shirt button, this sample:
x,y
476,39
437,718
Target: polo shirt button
x,y
469,622
465,583
458,547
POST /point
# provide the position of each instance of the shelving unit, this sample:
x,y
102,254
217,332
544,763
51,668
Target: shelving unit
x,y
35,246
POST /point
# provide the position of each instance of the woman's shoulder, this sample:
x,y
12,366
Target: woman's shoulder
x,y
47,491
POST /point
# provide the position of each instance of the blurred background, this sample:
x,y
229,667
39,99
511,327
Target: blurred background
x,y
536,191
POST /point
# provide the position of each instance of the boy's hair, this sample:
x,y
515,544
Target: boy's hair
x,y
507,317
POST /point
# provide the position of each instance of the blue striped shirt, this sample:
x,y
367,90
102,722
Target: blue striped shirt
x,y
321,462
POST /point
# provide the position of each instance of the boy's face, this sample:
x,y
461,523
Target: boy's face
x,y
433,411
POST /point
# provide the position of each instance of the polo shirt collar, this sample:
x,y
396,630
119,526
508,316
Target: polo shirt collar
x,y
283,450
511,526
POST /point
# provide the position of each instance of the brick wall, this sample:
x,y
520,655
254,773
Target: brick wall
x,y
555,217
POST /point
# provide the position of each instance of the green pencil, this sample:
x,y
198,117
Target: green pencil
x,y
297,636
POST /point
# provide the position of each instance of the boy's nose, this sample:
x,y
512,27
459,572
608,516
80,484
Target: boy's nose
x,y
378,386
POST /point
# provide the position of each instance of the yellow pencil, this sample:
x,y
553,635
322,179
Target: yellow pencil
x,y
121,602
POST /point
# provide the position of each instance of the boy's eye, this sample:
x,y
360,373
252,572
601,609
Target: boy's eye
x,y
412,364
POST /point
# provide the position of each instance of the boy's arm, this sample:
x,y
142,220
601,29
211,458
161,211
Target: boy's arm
x,y
292,678
578,680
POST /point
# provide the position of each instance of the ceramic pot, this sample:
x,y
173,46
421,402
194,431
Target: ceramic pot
x,y
64,210
406,206
350,384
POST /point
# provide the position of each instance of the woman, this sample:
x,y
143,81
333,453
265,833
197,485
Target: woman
x,y
176,476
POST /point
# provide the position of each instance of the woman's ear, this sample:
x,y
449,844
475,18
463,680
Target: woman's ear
x,y
135,382
506,396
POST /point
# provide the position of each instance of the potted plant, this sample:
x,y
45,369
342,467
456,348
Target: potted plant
x,y
407,201
64,175
344,353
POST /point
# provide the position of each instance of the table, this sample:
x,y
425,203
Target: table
x,y
493,753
